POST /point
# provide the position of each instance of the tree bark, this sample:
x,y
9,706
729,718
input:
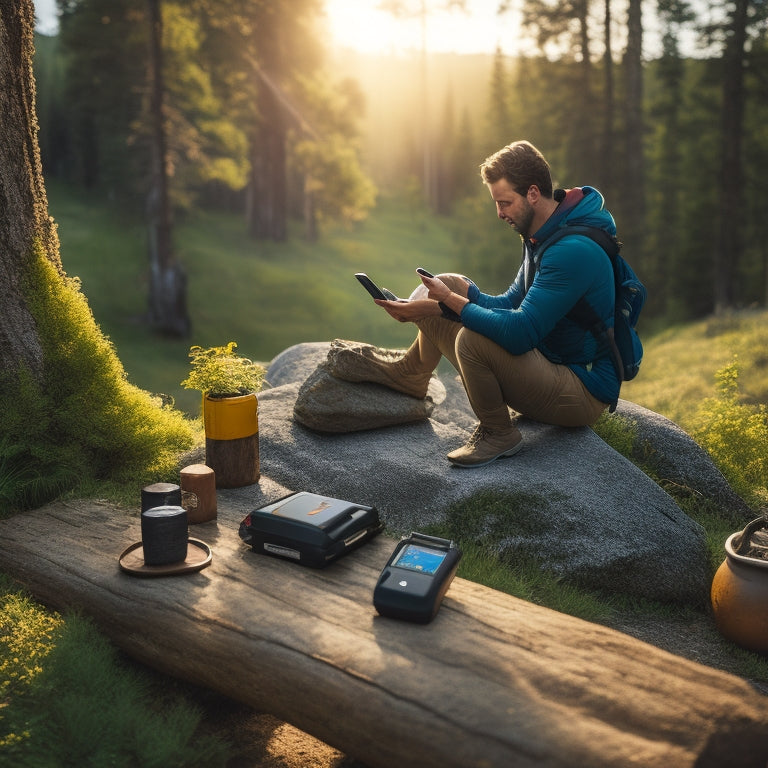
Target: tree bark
x,y
634,183
235,462
729,244
311,231
267,213
168,282
582,133
606,154
24,221
668,113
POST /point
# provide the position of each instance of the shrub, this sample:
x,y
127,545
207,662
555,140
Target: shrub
x,y
84,421
736,436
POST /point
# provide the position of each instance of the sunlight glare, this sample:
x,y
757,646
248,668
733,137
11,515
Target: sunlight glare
x,y
362,26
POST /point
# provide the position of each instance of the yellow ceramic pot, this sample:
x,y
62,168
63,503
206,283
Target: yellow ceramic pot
x,y
230,418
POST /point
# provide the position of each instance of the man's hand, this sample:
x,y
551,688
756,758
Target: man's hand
x,y
423,302
410,311
455,299
438,290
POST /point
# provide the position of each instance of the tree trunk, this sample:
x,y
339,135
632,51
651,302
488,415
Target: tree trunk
x,y
24,221
634,183
583,131
665,263
729,242
606,155
267,213
168,283
311,232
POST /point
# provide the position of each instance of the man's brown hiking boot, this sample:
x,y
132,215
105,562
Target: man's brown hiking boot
x,y
485,446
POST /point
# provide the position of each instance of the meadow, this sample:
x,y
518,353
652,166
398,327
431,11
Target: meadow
x,y
265,296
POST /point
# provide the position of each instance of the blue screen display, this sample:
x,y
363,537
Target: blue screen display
x,y
417,558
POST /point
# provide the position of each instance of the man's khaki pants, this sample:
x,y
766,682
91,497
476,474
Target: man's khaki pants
x,y
496,380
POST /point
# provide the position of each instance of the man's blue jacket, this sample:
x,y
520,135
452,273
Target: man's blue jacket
x,y
520,320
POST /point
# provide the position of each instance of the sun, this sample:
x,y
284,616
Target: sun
x,y
363,26
359,24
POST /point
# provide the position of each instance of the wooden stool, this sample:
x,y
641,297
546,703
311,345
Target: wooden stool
x,y
198,493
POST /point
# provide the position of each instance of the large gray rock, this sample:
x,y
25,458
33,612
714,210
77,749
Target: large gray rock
x,y
296,363
678,459
569,500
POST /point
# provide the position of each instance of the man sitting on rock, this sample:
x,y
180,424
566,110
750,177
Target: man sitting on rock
x,y
518,349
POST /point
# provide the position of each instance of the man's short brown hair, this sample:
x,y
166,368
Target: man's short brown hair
x,y
522,165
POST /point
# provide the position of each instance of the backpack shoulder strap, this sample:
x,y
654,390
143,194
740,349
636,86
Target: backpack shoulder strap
x,y
608,243
582,312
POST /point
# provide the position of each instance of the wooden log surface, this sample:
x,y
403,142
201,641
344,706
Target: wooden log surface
x,y
492,681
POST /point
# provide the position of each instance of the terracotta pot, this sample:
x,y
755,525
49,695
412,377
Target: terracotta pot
x,y
740,593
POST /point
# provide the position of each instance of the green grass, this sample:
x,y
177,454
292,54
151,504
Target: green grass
x,y
67,698
680,364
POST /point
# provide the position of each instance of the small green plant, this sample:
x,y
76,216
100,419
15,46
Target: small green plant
x,y
219,372
736,436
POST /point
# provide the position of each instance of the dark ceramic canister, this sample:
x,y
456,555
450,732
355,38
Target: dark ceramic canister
x,y
160,495
164,535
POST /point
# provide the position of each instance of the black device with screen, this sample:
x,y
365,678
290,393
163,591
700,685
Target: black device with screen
x,y
416,577
374,290
424,272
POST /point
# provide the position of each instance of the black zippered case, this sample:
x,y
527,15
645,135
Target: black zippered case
x,y
310,529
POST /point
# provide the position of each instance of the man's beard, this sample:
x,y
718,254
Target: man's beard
x,y
523,225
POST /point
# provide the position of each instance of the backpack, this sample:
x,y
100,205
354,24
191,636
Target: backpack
x,y
623,341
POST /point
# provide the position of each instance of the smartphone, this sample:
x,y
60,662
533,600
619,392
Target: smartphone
x,y
374,290
424,272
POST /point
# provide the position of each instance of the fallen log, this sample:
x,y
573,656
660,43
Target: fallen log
x,y
493,681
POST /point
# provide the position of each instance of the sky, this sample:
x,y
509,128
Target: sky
x,y
45,13
358,24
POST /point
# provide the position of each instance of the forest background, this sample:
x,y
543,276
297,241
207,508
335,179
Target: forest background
x,y
242,156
